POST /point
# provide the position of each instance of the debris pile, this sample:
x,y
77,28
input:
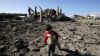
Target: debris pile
x,y
25,37
22,38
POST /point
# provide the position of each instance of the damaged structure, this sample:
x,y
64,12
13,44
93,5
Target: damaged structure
x,y
47,14
38,14
4,16
24,37
88,17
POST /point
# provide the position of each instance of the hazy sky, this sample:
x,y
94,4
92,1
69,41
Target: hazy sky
x,y
70,7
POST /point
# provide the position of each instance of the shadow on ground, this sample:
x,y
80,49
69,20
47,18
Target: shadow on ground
x,y
73,53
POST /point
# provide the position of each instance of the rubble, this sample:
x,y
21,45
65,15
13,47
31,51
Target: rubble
x,y
25,37
20,44
3,48
30,36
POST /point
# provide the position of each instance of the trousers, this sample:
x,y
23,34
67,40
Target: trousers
x,y
51,50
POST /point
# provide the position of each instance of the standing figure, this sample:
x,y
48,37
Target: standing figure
x,y
51,40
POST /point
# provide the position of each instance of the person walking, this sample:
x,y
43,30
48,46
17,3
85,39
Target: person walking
x,y
51,39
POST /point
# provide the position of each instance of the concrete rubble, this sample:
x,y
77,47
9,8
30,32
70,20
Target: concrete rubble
x,y
25,37
76,39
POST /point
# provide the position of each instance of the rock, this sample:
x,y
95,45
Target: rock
x,y
36,50
63,45
72,29
2,54
71,47
98,42
43,51
22,52
65,37
14,28
78,37
20,44
90,41
3,48
77,33
14,50
2,37
32,45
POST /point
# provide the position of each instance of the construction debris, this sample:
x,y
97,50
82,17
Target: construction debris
x,y
25,37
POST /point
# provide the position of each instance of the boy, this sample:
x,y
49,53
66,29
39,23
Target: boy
x,y
51,39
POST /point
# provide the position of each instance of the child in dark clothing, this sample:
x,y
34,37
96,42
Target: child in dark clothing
x,y
51,39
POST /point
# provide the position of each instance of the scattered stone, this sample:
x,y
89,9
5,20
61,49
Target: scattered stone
x,y
36,50
2,37
73,37
43,51
3,48
65,37
20,44
14,50
72,29
2,54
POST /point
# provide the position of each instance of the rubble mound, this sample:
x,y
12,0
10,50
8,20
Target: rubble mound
x,y
23,38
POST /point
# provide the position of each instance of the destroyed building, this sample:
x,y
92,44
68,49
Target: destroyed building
x,y
90,17
10,16
47,14
34,14
25,38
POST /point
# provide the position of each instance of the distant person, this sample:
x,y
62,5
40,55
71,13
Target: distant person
x,y
51,40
